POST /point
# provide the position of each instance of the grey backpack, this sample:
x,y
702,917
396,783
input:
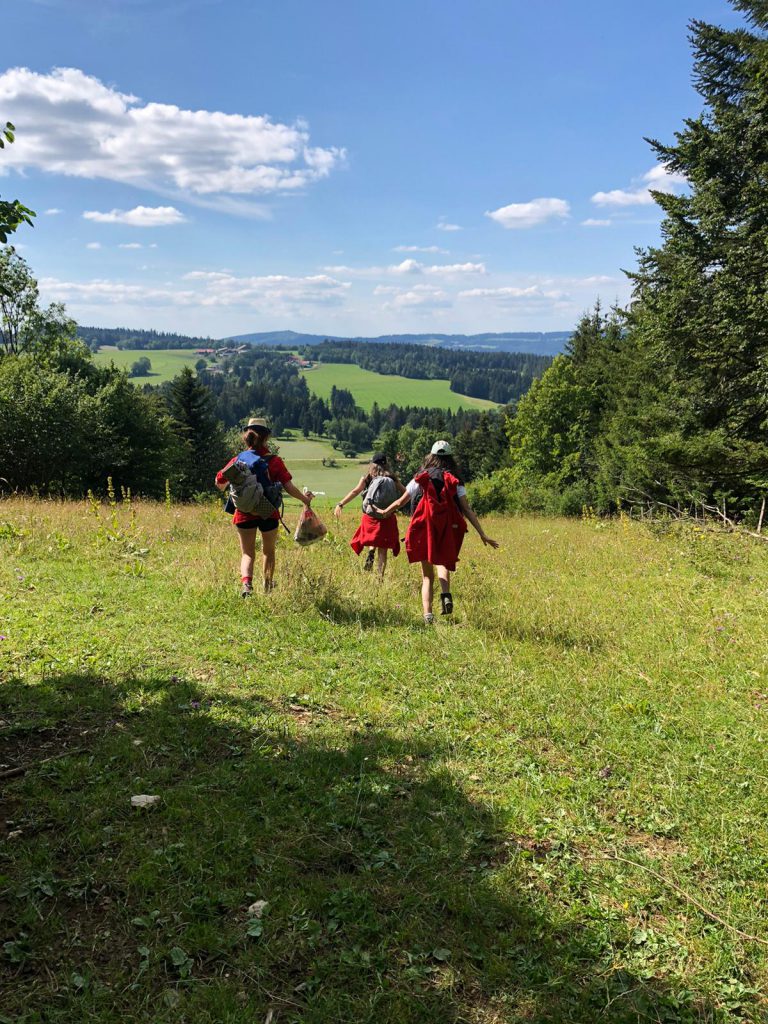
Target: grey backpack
x,y
381,492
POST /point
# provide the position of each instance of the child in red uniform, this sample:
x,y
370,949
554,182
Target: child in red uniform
x,y
255,438
374,533
438,524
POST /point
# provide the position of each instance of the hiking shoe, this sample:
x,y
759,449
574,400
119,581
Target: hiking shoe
x,y
369,560
247,590
429,619
446,600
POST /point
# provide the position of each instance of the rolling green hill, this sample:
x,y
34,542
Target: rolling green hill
x,y
368,387
166,363
304,458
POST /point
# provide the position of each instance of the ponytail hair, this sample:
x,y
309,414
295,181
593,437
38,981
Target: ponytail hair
x,y
255,437
445,462
378,469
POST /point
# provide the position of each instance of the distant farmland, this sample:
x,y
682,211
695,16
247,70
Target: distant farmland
x,y
166,362
369,387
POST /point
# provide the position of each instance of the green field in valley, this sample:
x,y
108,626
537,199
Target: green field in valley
x,y
368,387
166,362
304,459
549,809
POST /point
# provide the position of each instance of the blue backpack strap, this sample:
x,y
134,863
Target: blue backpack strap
x,y
258,464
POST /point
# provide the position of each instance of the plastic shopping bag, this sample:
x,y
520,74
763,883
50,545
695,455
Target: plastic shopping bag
x,y
309,528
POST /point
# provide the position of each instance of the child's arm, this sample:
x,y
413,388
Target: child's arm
x,y
348,497
290,488
469,513
221,481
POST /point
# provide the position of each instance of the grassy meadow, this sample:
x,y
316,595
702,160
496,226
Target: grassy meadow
x,y
369,387
366,386
304,458
550,808
166,362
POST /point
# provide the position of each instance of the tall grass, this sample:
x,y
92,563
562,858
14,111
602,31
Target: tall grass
x,y
549,808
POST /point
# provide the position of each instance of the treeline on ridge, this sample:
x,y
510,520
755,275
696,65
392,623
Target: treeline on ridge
x,y
500,377
131,338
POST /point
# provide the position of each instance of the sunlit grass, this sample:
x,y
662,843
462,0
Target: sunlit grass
x,y
166,362
369,387
452,824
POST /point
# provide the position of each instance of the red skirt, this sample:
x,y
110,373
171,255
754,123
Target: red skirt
x,y
376,533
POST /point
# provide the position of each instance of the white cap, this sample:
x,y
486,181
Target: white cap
x,y
442,448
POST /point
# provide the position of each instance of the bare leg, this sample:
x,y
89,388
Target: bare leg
x,y
427,586
446,600
382,562
247,540
268,544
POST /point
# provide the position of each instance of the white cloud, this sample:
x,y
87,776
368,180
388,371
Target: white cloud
x,y
512,294
102,292
412,267
421,248
130,245
422,297
76,125
593,222
453,269
93,245
443,225
658,179
53,212
273,293
528,215
139,216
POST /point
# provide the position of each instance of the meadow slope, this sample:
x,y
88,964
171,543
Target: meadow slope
x,y
166,362
387,389
550,809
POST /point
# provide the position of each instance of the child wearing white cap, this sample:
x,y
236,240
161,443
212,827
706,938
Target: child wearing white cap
x,y
438,523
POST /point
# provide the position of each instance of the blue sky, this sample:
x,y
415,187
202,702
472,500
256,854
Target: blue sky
x,y
224,166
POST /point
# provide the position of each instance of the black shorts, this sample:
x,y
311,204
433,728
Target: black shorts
x,y
265,525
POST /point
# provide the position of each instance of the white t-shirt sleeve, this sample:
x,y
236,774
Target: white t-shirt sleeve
x,y
414,491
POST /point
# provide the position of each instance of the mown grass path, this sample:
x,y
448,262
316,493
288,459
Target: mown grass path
x,y
446,825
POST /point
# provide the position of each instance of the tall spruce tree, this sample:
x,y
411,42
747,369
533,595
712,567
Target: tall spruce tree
x,y
693,415
190,405
554,433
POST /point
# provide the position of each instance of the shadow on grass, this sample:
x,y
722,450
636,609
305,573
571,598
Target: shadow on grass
x,y
510,625
348,613
393,897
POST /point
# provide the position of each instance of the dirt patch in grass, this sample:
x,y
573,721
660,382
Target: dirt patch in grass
x,y
656,847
